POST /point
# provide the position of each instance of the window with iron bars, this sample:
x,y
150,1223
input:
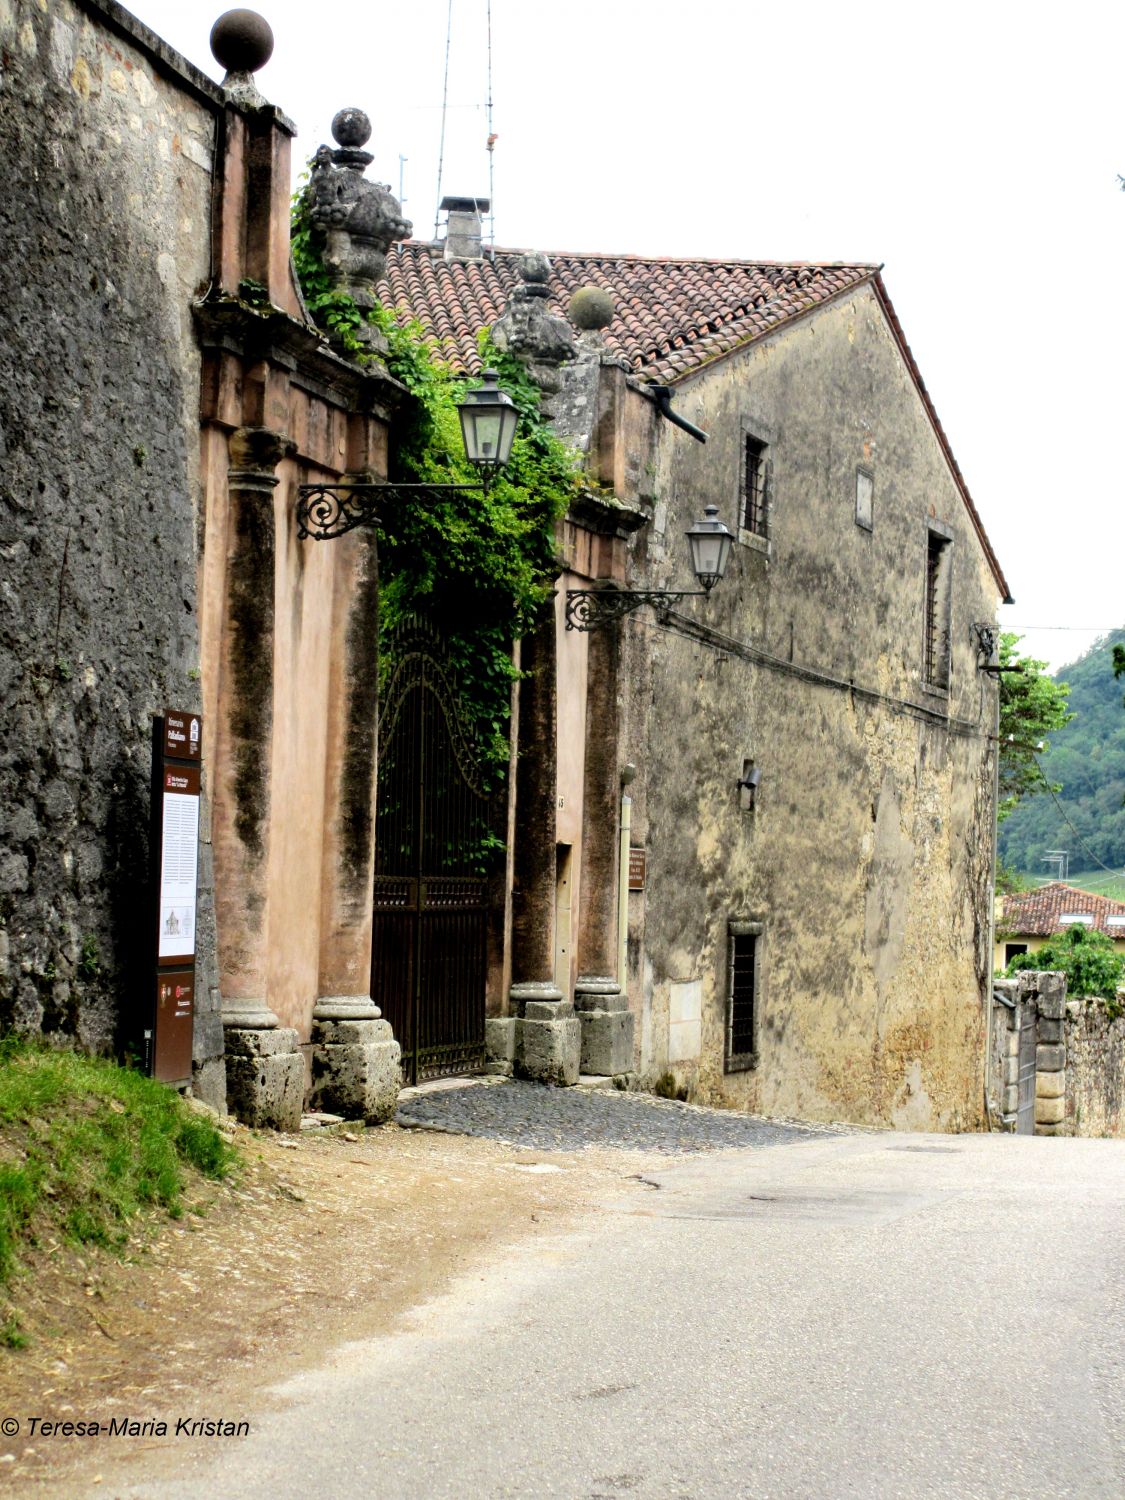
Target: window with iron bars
x,y
754,496
743,996
935,643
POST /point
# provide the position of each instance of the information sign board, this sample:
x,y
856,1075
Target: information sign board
x,y
176,754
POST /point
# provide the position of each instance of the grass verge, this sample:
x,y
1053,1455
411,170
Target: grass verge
x,y
86,1147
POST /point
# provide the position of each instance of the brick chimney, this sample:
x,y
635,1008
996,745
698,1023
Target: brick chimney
x,y
463,227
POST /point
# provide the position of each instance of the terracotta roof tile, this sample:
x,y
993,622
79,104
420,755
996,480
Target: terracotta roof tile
x,y
1038,913
672,315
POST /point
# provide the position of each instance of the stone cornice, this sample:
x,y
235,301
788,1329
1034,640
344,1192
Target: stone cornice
x,y
606,515
256,333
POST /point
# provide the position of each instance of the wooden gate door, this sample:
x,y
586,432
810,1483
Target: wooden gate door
x,y
429,960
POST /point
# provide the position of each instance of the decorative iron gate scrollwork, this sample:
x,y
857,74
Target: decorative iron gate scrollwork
x,y
433,835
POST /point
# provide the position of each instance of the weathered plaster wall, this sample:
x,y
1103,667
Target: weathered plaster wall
x,y
867,853
104,238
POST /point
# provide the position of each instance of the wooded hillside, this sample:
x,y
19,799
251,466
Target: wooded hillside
x,y
1088,758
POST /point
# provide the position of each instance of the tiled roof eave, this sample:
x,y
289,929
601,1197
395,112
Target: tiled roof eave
x,y
939,432
756,335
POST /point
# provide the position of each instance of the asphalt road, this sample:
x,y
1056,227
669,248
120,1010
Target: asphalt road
x,y
870,1315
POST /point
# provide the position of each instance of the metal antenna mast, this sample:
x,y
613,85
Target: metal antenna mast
x,y
444,109
491,142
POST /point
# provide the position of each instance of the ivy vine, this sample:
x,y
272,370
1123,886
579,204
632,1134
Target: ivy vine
x,y
479,567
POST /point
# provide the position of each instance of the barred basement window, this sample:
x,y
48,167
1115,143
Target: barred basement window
x,y
743,996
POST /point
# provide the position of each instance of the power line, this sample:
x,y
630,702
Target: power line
x,y
1120,874
1102,629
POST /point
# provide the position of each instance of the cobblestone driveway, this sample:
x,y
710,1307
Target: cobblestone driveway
x,y
553,1119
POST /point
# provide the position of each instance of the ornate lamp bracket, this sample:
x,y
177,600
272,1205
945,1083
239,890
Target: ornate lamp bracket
x,y
988,651
593,609
326,511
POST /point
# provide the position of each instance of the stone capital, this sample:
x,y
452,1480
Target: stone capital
x,y
255,453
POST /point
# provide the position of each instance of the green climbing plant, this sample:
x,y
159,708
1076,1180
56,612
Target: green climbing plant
x,y
479,567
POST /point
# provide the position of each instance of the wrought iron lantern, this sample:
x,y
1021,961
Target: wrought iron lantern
x,y
710,543
488,426
489,419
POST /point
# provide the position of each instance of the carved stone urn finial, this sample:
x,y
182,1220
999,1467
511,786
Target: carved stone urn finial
x,y
528,329
360,220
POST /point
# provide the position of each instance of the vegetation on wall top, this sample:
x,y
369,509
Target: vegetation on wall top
x,y
479,567
1088,958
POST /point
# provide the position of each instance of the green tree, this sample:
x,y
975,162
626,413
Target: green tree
x,y
1032,705
1119,662
1088,958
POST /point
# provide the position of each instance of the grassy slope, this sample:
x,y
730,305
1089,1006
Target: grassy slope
x,y
86,1147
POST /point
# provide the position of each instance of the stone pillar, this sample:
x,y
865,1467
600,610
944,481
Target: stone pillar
x,y
547,1039
355,1059
602,1006
1050,1056
265,1071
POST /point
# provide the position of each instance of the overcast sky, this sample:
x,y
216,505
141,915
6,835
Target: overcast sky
x,y
972,148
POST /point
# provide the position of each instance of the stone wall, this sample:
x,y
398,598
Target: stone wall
x,y
107,142
1079,1057
1095,1070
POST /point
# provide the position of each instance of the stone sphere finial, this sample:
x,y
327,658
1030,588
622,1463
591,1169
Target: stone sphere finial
x,y
535,268
590,308
242,41
351,127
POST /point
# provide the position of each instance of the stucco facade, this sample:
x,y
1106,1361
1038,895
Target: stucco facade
x,y
866,855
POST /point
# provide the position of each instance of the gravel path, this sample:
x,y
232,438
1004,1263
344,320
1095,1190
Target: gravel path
x,y
553,1119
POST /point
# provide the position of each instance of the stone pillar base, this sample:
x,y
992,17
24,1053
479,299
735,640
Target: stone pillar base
x,y
356,1069
500,1045
265,1077
607,1027
548,1043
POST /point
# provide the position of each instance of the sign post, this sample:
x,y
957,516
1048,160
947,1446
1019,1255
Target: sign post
x,y
176,746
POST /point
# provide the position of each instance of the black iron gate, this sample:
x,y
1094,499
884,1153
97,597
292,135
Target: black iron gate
x,y
433,838
1025,1092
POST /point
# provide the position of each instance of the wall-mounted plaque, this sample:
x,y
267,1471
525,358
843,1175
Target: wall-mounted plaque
x,y
176,743
637,869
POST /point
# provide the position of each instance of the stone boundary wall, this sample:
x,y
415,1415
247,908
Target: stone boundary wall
x,y
108,143
1037,999
1095,1070
1079,1058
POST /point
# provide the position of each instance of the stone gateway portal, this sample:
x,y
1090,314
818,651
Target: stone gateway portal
x,y
433,846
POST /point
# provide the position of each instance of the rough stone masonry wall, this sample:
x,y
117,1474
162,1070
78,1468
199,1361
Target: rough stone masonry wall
x,y
1095,1069
104,237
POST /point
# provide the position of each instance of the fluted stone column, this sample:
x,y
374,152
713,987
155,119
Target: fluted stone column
x,y
356,1068
265,1070
599,998
547,1034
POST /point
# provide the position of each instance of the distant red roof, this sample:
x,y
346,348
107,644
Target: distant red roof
x,y
673,316
1054,907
